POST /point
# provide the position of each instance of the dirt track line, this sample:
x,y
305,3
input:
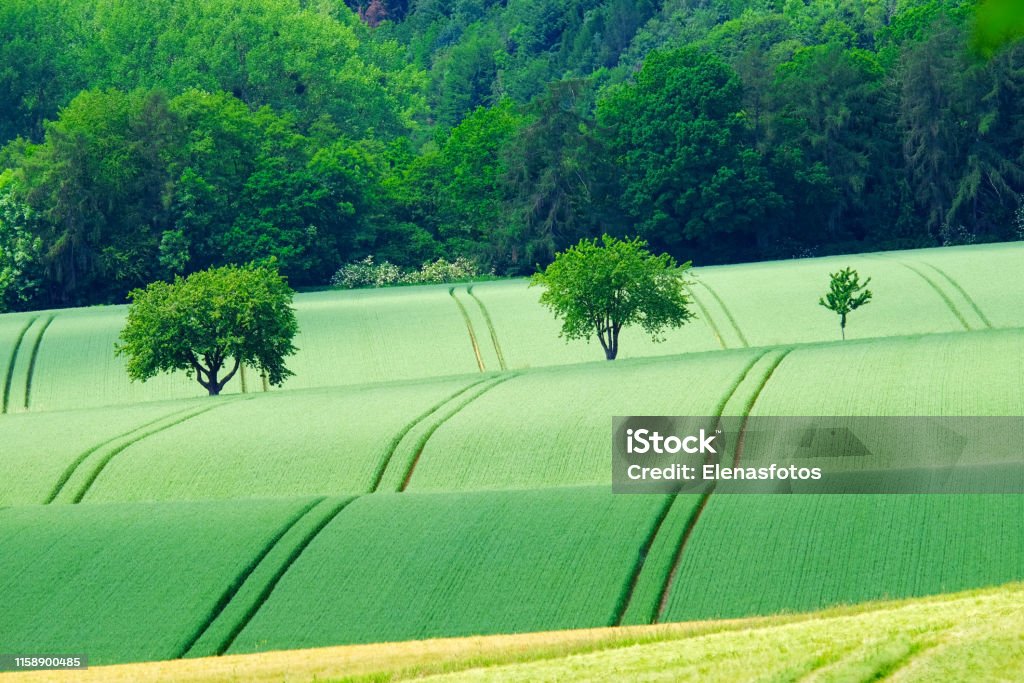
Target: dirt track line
x,y
728,313
706,316
13,360
490,328
942,295
123,447
741,435
670,579
641,559
967,297
232,590
279,574
70,469
397,439
469,328
691,524
32,360
437,425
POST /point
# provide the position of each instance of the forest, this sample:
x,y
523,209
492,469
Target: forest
x,y
142,140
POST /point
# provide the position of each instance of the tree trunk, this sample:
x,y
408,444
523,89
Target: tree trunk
x,y
842,326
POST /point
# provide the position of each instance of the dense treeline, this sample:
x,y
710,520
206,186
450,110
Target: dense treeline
x,y
143,140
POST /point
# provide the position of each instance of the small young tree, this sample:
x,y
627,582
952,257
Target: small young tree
x,y
846,294
201,323
599,288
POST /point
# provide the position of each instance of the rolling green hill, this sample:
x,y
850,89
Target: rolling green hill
x,y
416,480
63,359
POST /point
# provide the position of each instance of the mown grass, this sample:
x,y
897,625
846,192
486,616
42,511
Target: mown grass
x,y
976,636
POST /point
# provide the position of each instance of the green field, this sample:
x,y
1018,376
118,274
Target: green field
x,y
440,467
408,333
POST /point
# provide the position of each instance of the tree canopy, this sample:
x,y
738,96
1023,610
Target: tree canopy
x,y
146,140
598,288
211,321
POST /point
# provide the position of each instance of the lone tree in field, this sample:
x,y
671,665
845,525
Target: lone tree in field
x,y
846,294
599,288
210,321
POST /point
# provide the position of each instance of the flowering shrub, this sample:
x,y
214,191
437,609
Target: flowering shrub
x,y
366,273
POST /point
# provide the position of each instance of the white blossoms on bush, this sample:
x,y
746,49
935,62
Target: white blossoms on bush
x,y
366,273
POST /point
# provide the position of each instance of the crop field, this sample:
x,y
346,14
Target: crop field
x,y
126,582
752,554
410,566
440,467
407,333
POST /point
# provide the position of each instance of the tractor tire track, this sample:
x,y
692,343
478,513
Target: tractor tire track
x,y
422,443
741,435
9,380
490,328
469,329
706,316
76,463
277,574
691,524
397,439
728,314
942,295
33,358
626,597
236,585
967,297
650,613
110,455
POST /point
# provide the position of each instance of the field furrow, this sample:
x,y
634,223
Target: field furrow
x,y
495,341
22,326
79,482
125,582
343,439
761,554
469,330
401,566
247,595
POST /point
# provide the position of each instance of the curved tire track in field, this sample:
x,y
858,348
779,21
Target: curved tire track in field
x,y
332,508
942,295
625,604
963,292
469,329
74,465
33,358
422,443
706,317
9,380
728,314
105,459
490,328
691,524
397,439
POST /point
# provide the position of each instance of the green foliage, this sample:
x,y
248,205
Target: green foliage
x,y
998,23
846,294
198,323
20,251
598,289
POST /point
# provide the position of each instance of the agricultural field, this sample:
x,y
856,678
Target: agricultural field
x,y
407,333
440,467
127,582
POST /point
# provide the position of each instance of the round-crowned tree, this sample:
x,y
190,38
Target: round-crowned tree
x,y
210,323
598,288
